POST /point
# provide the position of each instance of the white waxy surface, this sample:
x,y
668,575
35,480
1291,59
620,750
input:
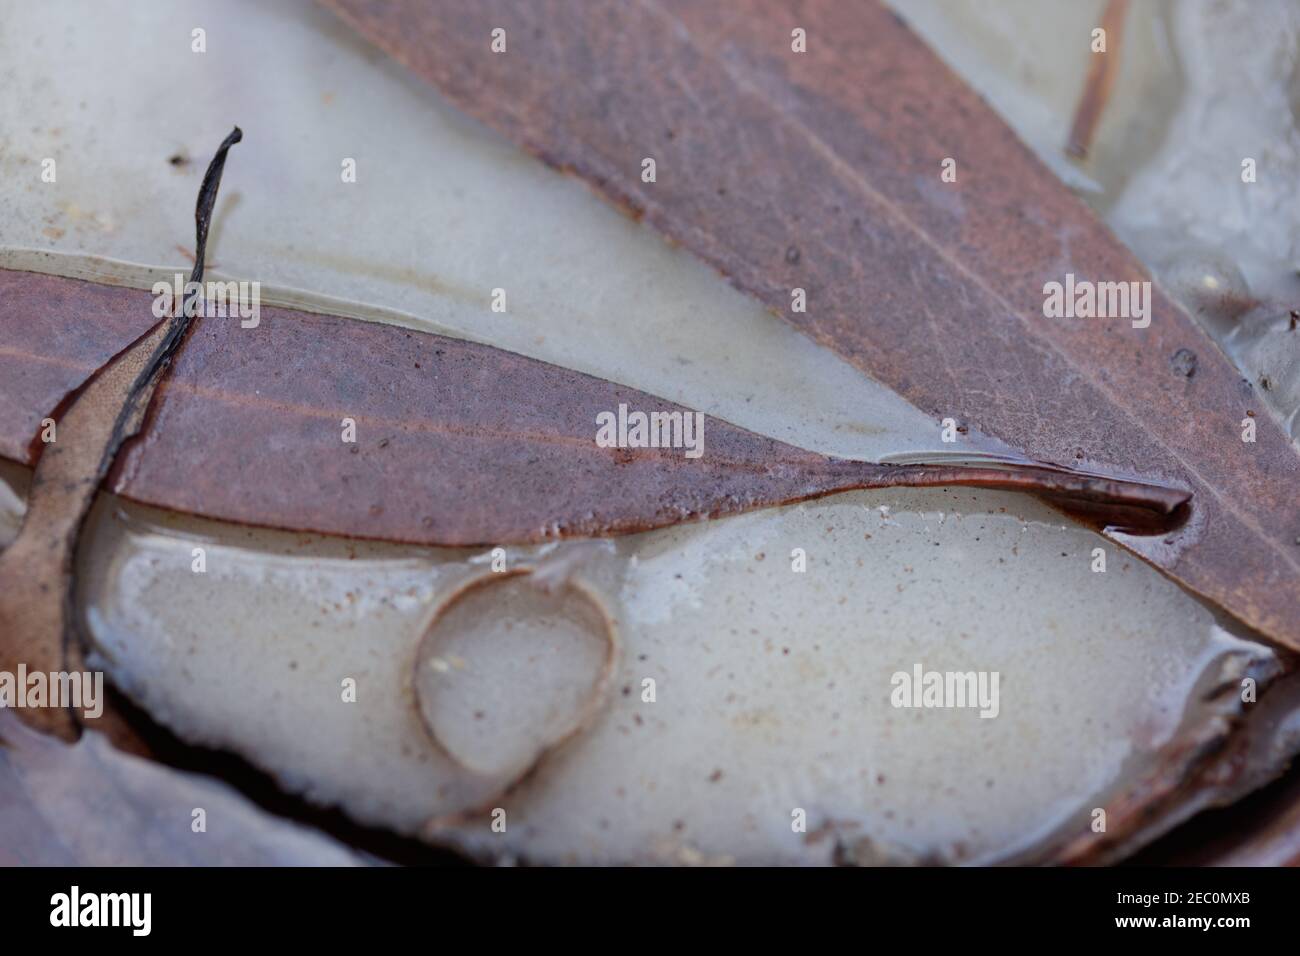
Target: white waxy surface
x,y
441,213
772,687
1096,668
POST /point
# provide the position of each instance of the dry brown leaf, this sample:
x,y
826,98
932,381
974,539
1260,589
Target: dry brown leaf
x,y
821,171
37,590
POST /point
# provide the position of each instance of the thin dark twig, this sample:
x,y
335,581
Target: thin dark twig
x,y
142,390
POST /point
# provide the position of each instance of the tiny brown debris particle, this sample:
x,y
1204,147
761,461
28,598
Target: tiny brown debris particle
x,y
715,776
179,160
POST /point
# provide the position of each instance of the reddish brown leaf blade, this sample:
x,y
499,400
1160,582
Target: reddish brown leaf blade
x,y
464,444
935,290
36,568
56,334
